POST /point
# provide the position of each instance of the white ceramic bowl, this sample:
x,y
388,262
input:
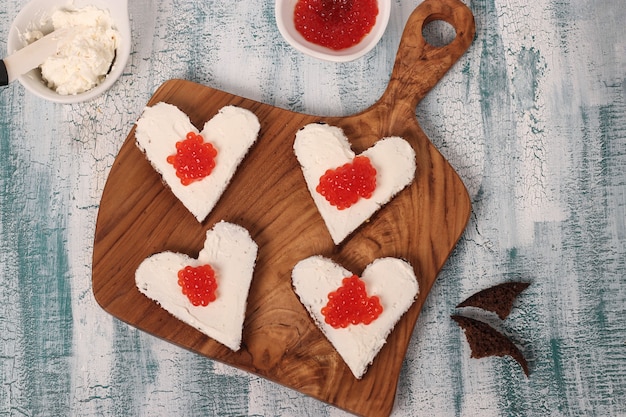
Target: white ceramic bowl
x,y
38,11
284,20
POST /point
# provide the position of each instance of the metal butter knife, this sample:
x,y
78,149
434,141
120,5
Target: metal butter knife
x,y
32,55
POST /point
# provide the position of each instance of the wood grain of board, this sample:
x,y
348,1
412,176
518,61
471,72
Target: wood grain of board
x,y
139,216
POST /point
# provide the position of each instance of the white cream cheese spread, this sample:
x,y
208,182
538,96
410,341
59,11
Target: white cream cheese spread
x,y
391,279
231,252
231,132
320,147
84,60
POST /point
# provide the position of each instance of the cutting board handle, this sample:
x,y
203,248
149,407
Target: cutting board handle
x,y
420,65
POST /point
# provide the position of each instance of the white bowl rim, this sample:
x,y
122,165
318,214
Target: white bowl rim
x,y
38,10
284,20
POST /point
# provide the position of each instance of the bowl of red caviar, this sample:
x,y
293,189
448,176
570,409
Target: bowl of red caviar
x,y
333,30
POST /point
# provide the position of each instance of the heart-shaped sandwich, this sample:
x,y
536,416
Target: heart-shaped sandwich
x,y
209,293
197,167
348,189
355,314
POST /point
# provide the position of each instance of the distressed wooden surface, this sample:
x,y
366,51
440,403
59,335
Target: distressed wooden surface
x,y
533,118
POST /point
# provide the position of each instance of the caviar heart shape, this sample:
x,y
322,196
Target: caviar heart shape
x,y
208,293
342,187
389,282
348,189
350,304
194,159
196,166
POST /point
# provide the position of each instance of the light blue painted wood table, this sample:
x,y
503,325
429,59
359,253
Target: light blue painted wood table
x,y
533,118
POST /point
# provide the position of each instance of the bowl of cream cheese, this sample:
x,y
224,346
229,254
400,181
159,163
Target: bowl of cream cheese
x,y
332,30
85,65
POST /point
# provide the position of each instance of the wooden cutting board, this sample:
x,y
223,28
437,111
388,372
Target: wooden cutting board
x,y
139,216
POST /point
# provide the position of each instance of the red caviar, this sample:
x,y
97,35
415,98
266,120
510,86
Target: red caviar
x,y
198,284
349,304
194,159
343,186
335,24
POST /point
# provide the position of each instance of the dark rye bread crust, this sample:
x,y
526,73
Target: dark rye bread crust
x,y
498,299
486,341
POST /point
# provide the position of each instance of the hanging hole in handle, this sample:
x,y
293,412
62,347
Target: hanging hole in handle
x,y
438,32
